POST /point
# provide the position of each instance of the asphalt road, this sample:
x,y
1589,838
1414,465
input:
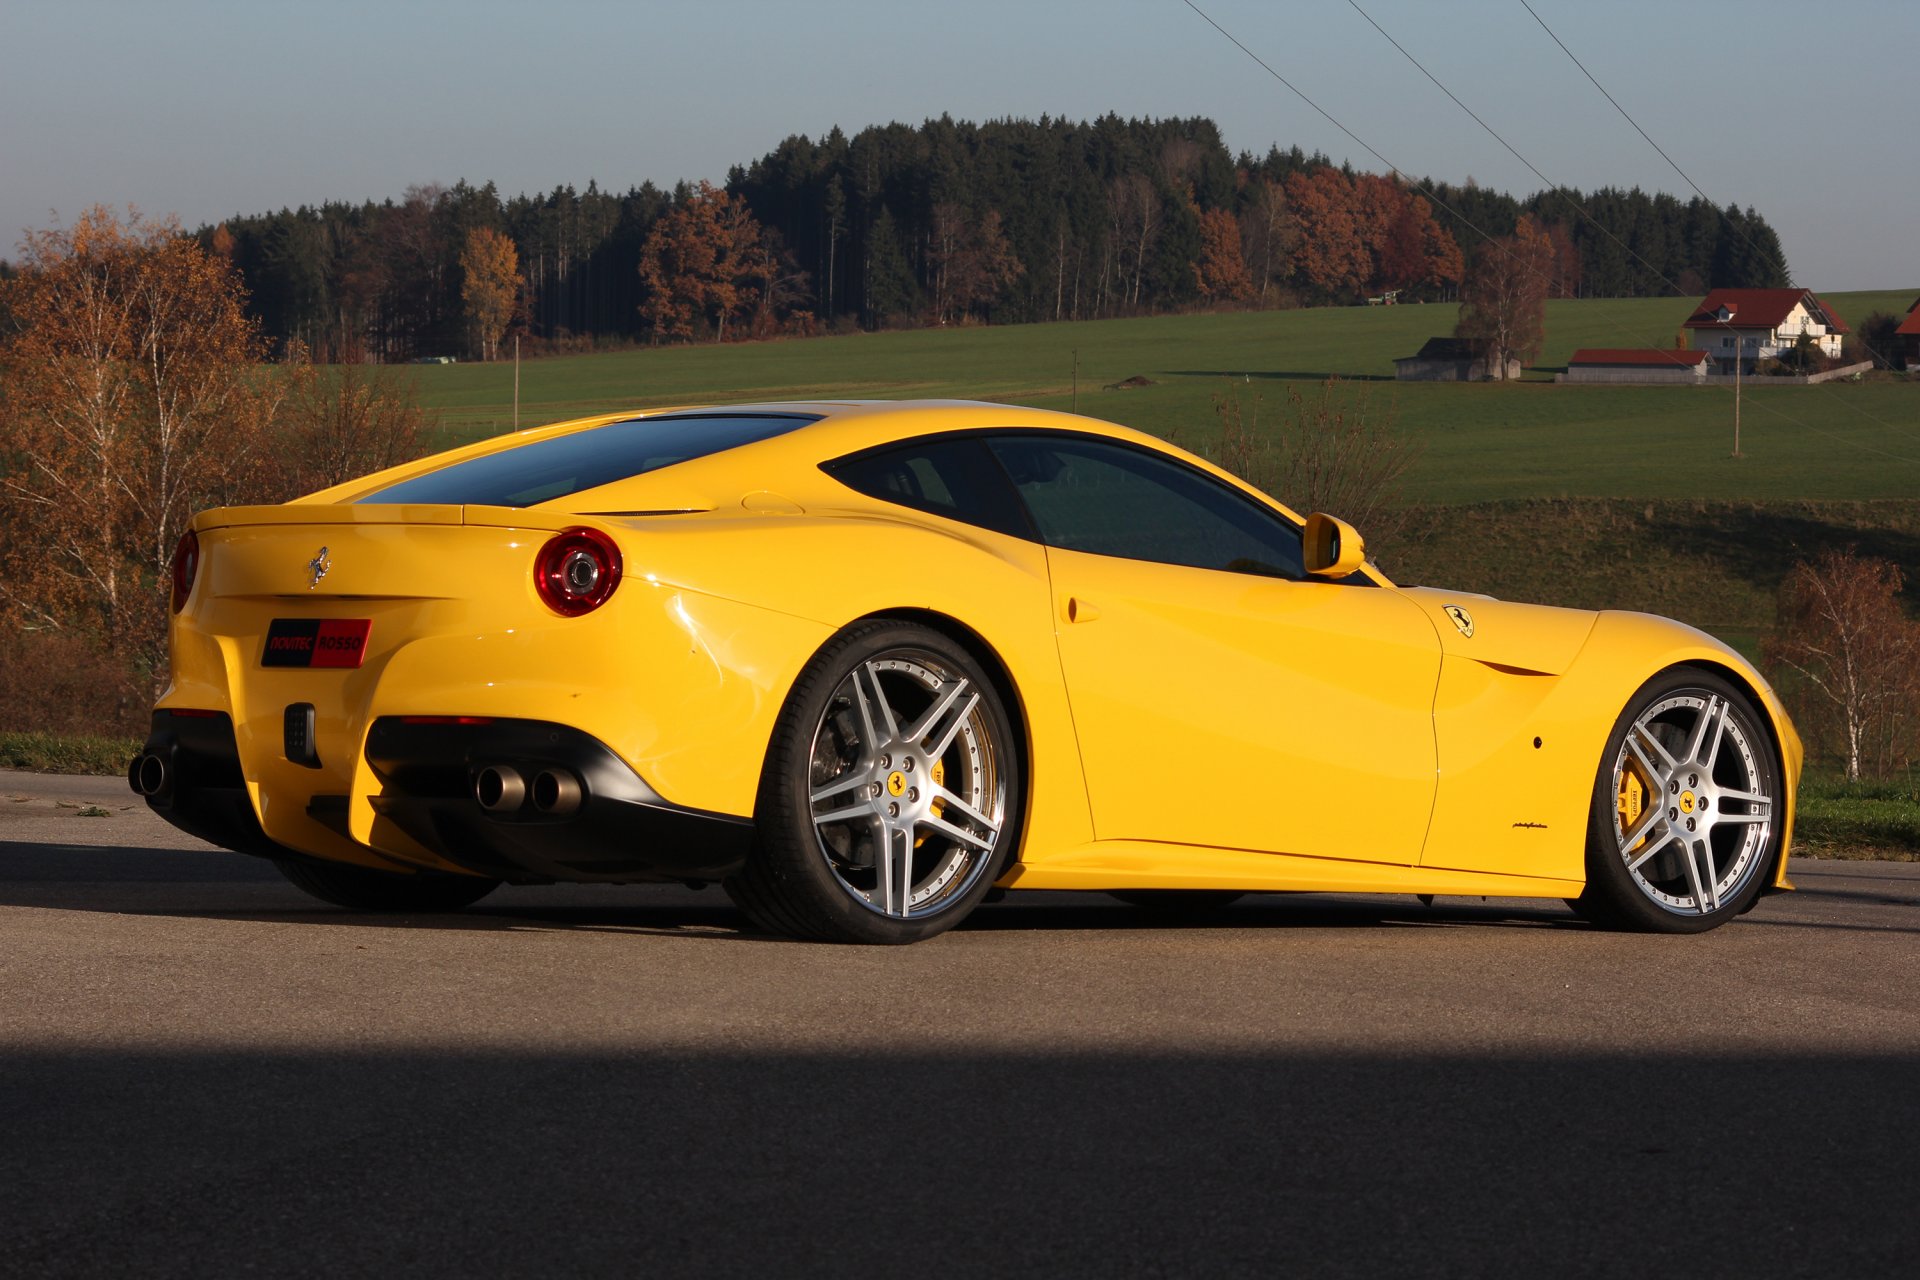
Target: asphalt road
x,y
202,1073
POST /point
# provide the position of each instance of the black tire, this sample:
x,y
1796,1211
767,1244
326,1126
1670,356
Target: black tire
x,y
822,865
1178,902
365,889
1700,855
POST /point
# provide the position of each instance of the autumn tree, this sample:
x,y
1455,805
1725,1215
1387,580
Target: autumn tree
x,y
1330,255
130,401
1269,233
489,285
1842,633
699,264
1503,300
1417,250
1566,262
971,262
1221,272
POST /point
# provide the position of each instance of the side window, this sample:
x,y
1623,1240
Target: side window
x,y
1111,500
952,476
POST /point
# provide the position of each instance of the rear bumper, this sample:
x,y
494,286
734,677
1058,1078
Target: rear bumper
x,y
619,831
198,786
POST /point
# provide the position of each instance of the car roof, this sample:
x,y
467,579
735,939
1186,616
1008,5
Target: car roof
x,y
788,460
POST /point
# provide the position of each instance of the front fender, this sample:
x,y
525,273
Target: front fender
x,y
1519,751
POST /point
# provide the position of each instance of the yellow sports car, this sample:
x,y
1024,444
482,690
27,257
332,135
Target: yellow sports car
x,y
864,662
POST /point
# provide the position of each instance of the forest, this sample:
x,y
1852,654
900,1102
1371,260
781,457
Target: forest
x,y
949,222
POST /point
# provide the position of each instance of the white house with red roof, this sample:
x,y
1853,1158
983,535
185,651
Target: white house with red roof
x,y
1762,324
1909,335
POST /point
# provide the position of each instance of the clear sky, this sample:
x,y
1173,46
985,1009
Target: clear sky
x,y
205,108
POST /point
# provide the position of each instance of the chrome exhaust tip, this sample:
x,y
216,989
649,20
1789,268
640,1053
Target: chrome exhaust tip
x,y
499,788
148,774
556,792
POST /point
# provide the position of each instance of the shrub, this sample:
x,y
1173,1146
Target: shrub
x,y
62,682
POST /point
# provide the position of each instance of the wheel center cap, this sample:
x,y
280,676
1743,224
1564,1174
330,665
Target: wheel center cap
x,y
897,784
1686,802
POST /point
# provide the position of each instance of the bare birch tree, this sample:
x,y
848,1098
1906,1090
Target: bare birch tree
x,y
1843,633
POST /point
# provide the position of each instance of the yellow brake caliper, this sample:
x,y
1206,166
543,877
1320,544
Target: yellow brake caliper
x,y
1633,800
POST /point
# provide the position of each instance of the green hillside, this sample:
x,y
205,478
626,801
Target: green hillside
x,y
1479,442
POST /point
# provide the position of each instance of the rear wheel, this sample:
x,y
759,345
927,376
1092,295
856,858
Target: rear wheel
x,y
364,889
1686,809
890,793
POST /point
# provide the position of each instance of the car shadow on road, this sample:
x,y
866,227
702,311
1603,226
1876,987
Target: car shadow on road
x,y
215,885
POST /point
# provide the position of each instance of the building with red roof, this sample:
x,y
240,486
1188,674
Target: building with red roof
x,y
1909,335
1635,364
1762,324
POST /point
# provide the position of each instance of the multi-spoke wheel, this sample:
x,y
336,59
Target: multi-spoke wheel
x,y
1686,809
889,793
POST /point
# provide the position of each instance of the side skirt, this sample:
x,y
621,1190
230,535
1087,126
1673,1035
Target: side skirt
x,y
1140,864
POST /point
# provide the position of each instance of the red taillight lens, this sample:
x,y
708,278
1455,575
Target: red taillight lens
x,y
186,563
577,571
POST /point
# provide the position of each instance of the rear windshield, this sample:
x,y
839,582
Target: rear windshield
x,y
581,460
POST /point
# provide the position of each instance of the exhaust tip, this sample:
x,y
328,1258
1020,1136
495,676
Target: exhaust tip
x,y
147,775
556,792
499,788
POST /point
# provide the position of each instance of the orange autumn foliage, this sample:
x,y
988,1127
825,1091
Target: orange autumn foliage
x,y
490,285
130,401
1221,272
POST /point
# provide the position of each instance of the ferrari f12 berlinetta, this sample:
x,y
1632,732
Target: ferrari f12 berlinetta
x,y
862,662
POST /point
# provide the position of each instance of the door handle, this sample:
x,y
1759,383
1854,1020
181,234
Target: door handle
x,y
1079,610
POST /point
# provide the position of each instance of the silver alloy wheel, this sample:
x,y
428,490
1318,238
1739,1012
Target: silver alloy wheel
x,y
906,784
1693,816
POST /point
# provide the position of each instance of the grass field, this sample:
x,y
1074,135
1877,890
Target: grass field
x,y
1479,442
1859,819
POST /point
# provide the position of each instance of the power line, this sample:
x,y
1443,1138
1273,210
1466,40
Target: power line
x,y
1622,110
1555,187
1395,169
1558,190
1776,253
1658,274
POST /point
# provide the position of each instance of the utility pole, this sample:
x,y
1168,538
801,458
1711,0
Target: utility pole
x,y
516,386
1739,349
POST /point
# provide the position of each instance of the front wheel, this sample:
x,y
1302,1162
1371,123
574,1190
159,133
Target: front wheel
x,y
1687,809
890,796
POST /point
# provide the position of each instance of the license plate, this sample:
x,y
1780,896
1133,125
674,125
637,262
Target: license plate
x,y
316,642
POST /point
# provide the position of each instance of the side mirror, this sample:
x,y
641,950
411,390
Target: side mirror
x,y
1332,547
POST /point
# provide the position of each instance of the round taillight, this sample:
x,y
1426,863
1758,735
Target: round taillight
x,y
577,571
186,563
